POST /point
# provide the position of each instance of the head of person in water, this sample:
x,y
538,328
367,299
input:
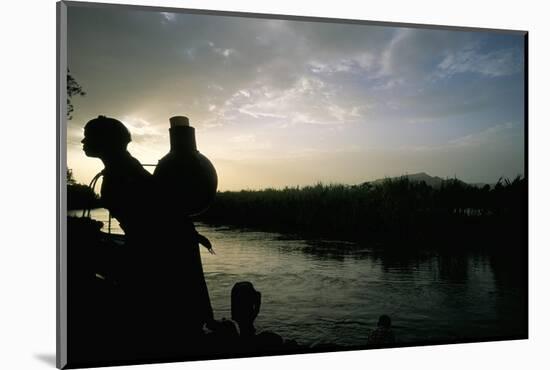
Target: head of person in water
x,y
245,306
384,321
105,138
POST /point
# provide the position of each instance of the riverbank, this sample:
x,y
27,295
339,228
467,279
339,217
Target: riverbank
x,y
396,212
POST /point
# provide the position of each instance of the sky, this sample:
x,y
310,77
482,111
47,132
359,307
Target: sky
x,y
291,103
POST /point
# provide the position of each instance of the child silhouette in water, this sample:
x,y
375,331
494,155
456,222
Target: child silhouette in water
x,y
383,334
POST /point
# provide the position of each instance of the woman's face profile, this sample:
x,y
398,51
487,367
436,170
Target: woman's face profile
x,y
105,137
91,144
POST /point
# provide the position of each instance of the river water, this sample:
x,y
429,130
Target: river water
x,y
330,292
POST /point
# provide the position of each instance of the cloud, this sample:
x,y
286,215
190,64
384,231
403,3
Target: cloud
x,y
243,76
493,64
221,51
141,130
201,61
245,138
417,56
494,136
308,101
413,54
356,64
483,137
168,17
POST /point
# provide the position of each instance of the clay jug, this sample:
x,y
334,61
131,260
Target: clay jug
x,y
185,176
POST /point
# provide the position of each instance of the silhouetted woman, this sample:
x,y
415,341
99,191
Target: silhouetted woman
x,y
126,187
165,299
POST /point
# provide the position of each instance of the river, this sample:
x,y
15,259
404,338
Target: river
x,y
331,292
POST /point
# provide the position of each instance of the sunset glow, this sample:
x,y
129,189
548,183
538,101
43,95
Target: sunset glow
x,y
283,103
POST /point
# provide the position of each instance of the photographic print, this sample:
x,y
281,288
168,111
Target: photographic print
x,y
239,185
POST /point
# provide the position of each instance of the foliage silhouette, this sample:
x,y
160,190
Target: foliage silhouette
x,y
80,196
73,89
395,210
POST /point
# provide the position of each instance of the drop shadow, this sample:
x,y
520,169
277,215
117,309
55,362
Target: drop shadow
x,y
47,358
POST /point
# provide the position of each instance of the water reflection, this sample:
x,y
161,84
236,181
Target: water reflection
x,y
320,291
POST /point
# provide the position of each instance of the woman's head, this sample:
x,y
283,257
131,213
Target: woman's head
x,y
104,136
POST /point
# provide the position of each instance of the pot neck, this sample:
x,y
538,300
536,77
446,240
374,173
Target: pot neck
x,y
182,139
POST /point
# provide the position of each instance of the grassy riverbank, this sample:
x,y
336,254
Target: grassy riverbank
x,y
392,210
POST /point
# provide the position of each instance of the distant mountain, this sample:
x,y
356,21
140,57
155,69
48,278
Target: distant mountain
x,y
433,181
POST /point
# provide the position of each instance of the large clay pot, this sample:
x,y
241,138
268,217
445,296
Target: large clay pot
x,y
185,176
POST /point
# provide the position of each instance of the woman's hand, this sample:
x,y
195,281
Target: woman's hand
x,y
201,239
